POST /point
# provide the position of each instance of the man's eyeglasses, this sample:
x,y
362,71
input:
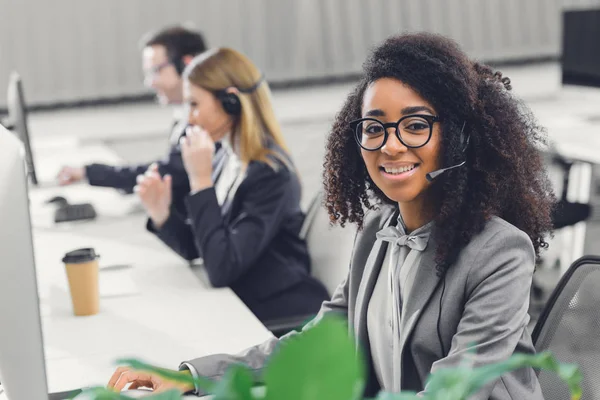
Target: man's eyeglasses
x,y
154,70
413,131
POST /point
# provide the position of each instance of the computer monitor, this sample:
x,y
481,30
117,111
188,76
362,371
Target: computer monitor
x,y
17,120
580,56
22,367
22,362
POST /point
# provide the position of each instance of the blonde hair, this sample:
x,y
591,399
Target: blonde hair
x,y
223,68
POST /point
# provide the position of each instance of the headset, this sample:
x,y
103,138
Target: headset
x,y
464,140
230,101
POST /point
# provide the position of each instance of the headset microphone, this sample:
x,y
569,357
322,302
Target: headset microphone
x,y
432,175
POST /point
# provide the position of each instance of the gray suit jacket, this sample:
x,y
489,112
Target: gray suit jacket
x,y
485,301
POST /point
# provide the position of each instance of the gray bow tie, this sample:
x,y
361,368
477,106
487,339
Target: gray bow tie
x,y
393,235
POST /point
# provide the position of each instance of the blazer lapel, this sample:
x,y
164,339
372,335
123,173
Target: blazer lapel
x,y
368,280
425,283
367,284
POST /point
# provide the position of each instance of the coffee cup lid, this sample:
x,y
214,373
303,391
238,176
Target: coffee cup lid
x,y
80,256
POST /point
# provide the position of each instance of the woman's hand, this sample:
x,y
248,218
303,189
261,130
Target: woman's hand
x,y
143,379
155,194
197,150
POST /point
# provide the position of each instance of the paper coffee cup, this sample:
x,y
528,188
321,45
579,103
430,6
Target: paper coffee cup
x,y
82,272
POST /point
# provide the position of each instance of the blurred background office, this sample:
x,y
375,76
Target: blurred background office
x,y
75,94
80,68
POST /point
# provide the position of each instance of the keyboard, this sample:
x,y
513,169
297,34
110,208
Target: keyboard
x,y
75,212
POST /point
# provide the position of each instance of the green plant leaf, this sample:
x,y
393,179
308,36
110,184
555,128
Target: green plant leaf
x,y
235,385
321,363
461,382
205,384
568,372
449,384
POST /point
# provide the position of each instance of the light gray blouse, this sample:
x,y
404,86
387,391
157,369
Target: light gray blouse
x,y
394,283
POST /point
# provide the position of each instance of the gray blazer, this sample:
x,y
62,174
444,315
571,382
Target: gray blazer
x,y
485,301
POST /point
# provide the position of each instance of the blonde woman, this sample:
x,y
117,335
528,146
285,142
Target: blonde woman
x,y
243,210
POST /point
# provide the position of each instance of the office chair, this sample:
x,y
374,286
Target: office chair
x,y
330,249
569,327
567,213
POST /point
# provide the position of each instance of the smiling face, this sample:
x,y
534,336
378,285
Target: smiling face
x,y
397,170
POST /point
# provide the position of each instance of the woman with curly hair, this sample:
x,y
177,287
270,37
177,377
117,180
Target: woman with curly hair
x,y
438,165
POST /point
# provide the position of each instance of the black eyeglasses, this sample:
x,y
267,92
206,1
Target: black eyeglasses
x,y
413,131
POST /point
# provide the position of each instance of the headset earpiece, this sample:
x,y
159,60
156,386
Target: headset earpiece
x,y
230,102
464,139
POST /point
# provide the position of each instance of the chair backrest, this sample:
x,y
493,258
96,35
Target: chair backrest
x,y
569,327
330,247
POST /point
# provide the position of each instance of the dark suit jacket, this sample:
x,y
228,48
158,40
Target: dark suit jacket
x,y
253,246
124,177
485,303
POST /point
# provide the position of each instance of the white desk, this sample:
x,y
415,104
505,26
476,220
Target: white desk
x,y
173,318
119,216
52,154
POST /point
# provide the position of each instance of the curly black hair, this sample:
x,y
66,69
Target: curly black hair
x,y
504,173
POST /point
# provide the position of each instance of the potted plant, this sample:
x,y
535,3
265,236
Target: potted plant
x,y
322,363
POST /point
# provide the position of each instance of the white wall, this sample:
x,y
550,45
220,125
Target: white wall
x,y
580,4
72,50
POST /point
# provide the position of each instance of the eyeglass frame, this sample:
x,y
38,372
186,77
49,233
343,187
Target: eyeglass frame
x,y
431,119
156,69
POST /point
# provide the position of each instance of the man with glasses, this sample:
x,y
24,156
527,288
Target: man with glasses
x,y
164,57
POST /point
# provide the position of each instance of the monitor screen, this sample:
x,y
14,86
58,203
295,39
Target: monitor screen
x,y
17,121
580,56
22,367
